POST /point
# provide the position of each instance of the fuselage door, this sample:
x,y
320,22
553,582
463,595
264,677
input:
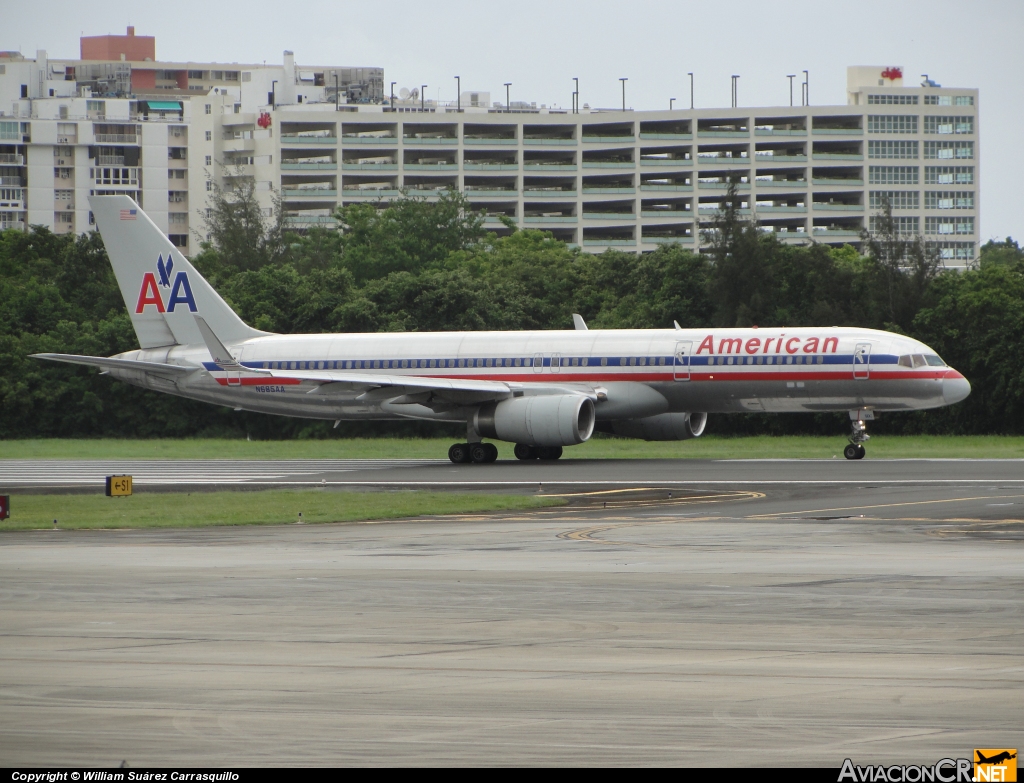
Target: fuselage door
x,y
862,362
556,362
538,362
684,348
234,378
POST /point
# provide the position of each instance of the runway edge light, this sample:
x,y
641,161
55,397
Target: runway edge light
x,y
119,486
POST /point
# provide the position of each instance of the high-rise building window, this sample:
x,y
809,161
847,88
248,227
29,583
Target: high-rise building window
x,y
949,124
898,199
892,123
209,135
949,175
963,224
209,109
893,175
209,160
904,225
949,199
949,149
890,100
892,149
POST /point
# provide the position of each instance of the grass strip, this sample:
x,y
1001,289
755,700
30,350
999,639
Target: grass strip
x,y
707,447
270,507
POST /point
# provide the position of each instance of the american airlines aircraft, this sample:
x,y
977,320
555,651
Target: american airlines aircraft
x,y
540,390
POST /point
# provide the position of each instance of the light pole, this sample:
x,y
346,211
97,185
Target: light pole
x,y
458,91
735,96
623,79
807,87
576,97
337,94
393,95
791,77
670,102
273,93
690,74
508,105
423,96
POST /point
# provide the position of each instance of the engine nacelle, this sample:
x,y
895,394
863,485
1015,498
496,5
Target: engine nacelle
x,y
665,426
548,420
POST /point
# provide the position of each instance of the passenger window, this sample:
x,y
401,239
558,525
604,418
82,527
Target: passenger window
x,y
730,360
575,361
643,361
528,362
933,360
821,360
632,361
604,361
759,359
586,361
918,360
789,360
433,362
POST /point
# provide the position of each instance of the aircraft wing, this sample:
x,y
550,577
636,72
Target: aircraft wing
x,y
173,370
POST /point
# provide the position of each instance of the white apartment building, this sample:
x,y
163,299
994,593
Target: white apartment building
x,y
599,179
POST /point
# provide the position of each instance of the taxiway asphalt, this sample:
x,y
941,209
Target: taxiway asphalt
x,y
779,613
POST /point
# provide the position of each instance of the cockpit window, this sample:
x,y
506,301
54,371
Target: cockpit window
x,y
933,360
918,360
904,361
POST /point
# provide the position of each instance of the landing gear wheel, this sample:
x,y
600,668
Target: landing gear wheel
x,y
549,452
459,453
852,451
481,454
492,452
522,451
861,451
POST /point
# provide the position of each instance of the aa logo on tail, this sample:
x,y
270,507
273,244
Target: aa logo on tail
x,y
150,294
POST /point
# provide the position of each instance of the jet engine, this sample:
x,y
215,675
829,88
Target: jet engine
x,y
665,426
547,420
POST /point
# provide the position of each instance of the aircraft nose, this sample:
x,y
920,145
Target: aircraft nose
x,y
955,387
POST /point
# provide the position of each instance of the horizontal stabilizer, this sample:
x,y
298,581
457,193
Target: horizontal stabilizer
x,y
220,354
116,364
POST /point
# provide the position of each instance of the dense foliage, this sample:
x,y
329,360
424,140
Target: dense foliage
x,y
431,266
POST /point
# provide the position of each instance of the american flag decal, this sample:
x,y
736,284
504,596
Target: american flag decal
x,y
128,214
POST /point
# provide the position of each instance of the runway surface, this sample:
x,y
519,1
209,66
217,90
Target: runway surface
x,y
796,613
30,475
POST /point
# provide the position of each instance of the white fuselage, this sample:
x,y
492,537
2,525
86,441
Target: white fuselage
x,y
707,370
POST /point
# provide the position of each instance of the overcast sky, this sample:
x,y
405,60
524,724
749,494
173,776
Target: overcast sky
x,y
539,45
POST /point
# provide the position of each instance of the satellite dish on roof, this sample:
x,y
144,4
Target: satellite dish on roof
x,y
404,93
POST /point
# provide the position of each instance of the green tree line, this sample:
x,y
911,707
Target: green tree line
x,y
422,266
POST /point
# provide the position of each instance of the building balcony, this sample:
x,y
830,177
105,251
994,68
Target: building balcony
x,y
308,192
671,163
781,183
550,219
239,145
16,182
370,168
783,159
347,139
603,190
369,192
534,192
431,166
666,240
837,156
658,186
609,164
709,160
666,136
665,213
609,139
116,138
478,141
9,159
620,216
296,166
318,141
491,166
723,134
779,132
506,192
722,185
551,142
609,242
824,206
837,181
781,210
837,233
837,132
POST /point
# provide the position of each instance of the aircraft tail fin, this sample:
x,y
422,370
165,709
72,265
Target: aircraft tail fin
x,y
161,289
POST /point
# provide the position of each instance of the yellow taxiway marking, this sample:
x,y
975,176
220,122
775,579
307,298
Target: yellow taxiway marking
x,y
879,505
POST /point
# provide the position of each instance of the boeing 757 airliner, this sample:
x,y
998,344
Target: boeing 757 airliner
x,y
540,390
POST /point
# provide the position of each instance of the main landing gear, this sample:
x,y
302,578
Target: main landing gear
x,y
480,453
525,452
855,448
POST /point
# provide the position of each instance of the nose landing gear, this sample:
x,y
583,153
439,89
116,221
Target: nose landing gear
x,y
855,449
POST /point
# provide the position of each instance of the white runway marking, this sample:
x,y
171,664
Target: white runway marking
x,y
170,472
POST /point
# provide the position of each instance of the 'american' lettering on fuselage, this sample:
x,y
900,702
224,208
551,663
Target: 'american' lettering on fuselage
x,y
753,345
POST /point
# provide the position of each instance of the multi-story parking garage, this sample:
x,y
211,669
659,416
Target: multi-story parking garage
x,y
625,179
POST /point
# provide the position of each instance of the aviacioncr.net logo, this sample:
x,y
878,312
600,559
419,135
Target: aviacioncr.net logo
x,y
180,289
942,771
